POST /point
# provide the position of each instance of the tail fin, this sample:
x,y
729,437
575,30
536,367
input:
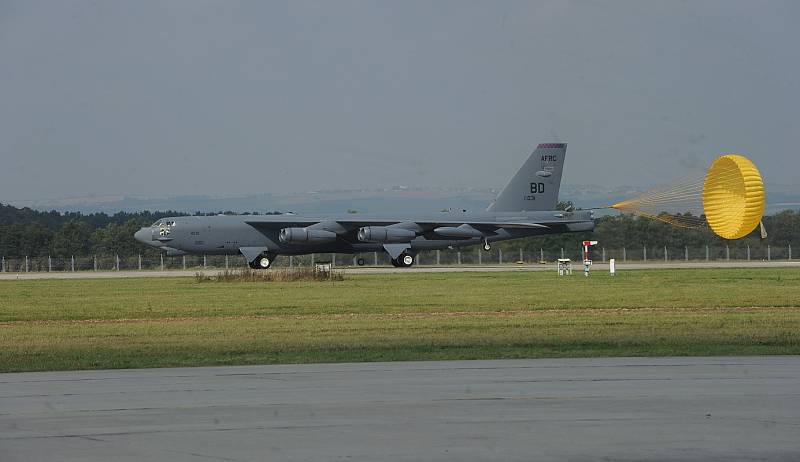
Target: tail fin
x,y
536,184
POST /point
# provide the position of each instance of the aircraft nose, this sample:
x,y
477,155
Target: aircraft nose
x,y
143,236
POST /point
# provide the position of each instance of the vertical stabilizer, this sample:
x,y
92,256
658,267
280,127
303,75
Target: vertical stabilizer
x,y
536,184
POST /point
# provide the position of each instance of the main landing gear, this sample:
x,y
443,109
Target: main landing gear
x,y
404,260
486,246
262,262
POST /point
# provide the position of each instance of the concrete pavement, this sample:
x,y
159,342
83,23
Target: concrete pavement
x,y
745,408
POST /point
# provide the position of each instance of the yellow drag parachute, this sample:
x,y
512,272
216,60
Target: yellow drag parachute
x,y
733,196
728,197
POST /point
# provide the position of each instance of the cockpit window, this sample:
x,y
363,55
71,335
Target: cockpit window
x,y
163,223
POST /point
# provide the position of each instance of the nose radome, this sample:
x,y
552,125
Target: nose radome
x,y
142,235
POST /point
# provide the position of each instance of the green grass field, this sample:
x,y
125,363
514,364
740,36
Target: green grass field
x,y
122,323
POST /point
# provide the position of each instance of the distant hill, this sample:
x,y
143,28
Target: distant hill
x,y
396,199
364,201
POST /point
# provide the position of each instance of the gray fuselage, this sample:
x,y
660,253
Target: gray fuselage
x,y
520,210
227,234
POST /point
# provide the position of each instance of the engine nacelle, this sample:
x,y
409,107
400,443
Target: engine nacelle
x,y
385,234
306,236
463,231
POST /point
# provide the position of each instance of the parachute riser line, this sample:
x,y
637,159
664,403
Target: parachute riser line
x,y
729,198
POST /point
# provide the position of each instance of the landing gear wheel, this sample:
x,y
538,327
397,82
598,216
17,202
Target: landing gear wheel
x,y
262,262
486,246
404,260
360,262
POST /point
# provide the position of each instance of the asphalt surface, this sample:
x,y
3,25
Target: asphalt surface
x,y
731,409
577,267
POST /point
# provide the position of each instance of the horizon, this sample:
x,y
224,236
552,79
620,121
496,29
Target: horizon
x,y
398,198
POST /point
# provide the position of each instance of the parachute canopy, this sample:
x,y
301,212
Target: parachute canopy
x,y
728,197
733,196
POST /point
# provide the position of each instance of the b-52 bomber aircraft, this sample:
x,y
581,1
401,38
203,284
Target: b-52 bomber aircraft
x,y
525,207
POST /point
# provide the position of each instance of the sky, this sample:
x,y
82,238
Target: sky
x,y
154,98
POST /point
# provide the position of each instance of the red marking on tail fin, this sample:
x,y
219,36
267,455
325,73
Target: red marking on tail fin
x,y
551,146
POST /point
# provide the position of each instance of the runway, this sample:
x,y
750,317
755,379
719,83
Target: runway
x,y
744,408
577,266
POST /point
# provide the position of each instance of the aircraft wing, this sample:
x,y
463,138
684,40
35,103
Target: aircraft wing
x,y
355,223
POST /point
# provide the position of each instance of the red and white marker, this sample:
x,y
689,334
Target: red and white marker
x,y
587,258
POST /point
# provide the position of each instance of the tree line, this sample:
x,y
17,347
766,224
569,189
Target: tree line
x,y
27,232
634,232
33,233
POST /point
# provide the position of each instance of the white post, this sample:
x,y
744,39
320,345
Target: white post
x,y
291,260
183,261
769,253
521,257
686,253
562,252
4,265
312,259
541,254
604,254
140,262
665,254
612,266
748,252
438,257
49,264
226,261
624,254
162,261
480,257
375,257
500,256
333,259
94,261
645,253
205,262
706,252
116,261
26,263
459,257
790,251
727,252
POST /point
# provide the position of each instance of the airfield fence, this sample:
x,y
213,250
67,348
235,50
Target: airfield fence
x,y
469,256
